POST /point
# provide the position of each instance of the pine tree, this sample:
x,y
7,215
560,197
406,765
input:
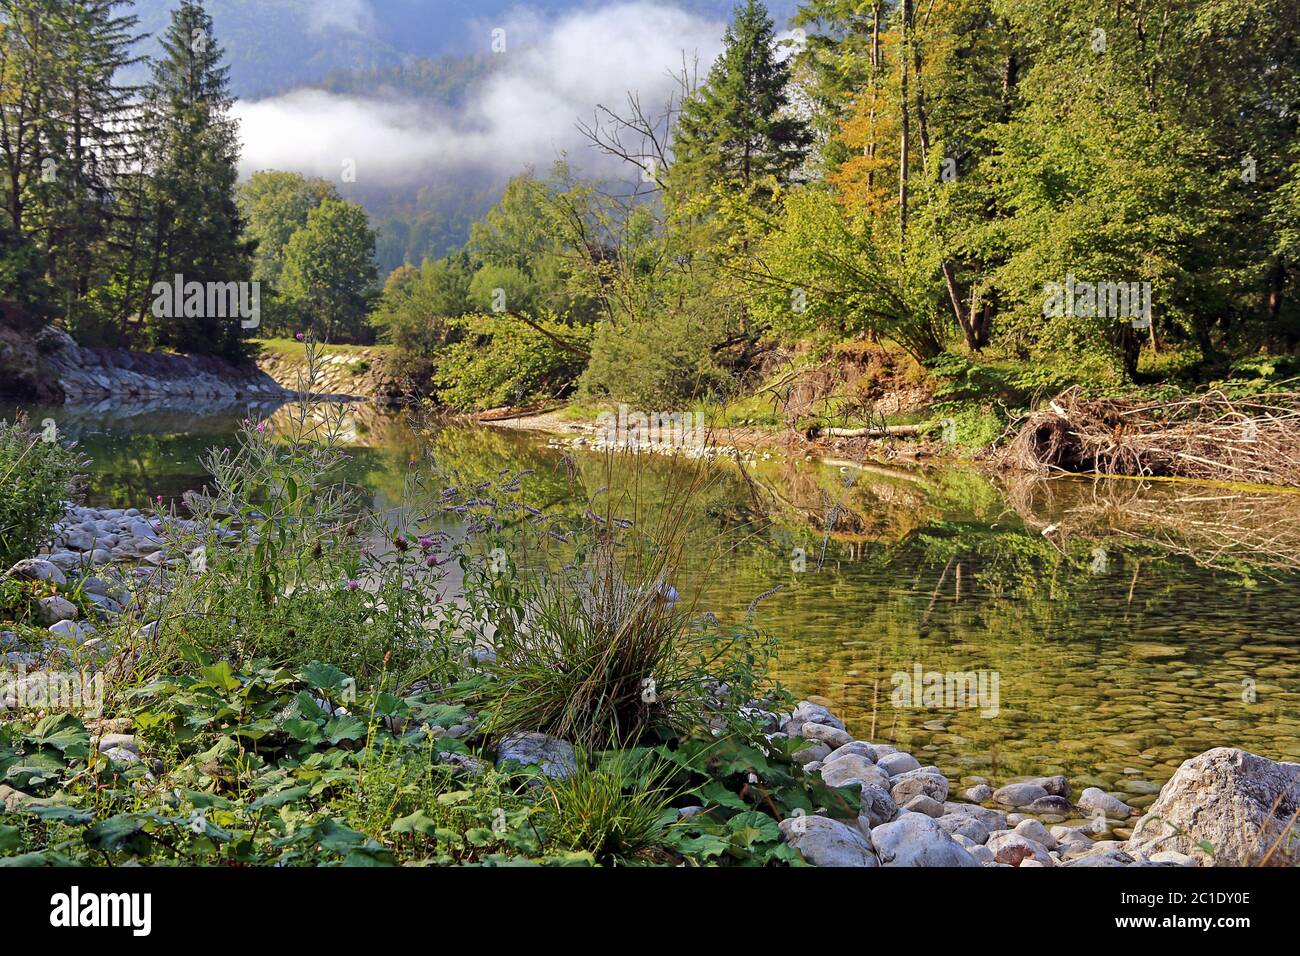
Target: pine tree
x,y
737,130
67,131
196,222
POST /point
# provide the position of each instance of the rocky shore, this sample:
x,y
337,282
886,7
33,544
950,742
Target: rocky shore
x,y
99,554
51,368
87,375
1225,807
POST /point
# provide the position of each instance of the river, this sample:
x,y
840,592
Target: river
x,y
1123,636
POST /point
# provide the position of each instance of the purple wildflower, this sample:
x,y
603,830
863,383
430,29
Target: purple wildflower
x,y
353,584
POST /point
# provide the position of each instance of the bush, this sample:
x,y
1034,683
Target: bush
x,y
37,475
593,644
501,360
615,807
658,364
287,564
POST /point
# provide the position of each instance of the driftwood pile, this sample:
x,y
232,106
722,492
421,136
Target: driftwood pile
x,y
1209,436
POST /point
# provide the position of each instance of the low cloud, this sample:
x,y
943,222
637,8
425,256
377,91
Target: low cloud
x,y
552,75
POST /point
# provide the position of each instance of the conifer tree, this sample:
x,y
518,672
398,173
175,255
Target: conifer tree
x,y
738,130
196,223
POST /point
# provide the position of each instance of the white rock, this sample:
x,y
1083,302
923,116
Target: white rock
x,y
826,734
1094,799
854,747
37,569
896,763
1018,794
852,768
555,757
876,806
978,793
916,840
1240,803
54,609
808,712
1174,857
965,825
814,753
925,780
825,842
1012,848
923,804
1032,829
121,755
73,630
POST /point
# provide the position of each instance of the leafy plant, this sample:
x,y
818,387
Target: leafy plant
x,y
36,477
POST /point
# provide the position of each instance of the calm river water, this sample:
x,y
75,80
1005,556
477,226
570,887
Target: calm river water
x,y
1119,649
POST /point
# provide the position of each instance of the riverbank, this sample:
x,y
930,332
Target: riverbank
x,y
50,368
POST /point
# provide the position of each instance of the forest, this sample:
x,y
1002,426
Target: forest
x,y
919,176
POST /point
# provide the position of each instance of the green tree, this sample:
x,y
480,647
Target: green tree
x,y
417,311
329,269
738,129
67,135
196,227
275,205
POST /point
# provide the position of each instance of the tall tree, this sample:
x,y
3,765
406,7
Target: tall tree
x,y
197,229
67,129
329,268
275,205
738,129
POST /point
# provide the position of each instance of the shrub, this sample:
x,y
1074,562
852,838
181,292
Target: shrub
x,y
503,360
614,807
593,643
287,564
37,475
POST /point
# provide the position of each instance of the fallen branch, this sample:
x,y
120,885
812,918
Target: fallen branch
x,y
886,431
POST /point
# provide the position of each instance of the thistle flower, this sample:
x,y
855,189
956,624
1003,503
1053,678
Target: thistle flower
x,y
353,584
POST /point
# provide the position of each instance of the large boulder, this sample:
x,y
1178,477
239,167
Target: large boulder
x,y
917,840
1096,800
825,842
37,569
852,768
808,712
1014,848
925,780
1239,803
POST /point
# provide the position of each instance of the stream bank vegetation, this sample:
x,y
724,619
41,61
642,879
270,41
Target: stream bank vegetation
x,y
308,682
